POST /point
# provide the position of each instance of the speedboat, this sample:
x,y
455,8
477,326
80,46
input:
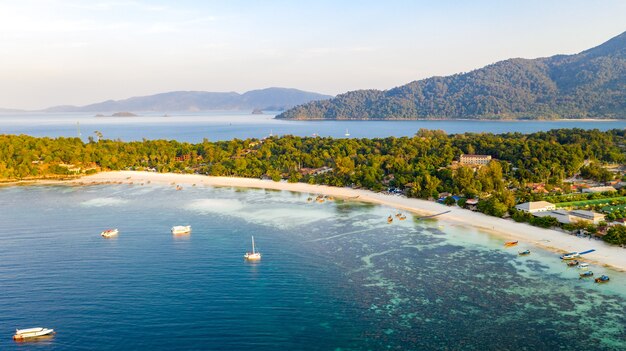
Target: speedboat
x,y
585,274
570,256
254,255
510,243
181,229
389,219
524,253
21,334
603,279
403,217
583,266
109,233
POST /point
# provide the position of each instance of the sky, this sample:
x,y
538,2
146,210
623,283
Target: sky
x,y
78,52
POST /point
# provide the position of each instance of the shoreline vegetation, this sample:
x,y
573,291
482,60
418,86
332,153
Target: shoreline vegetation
x,y
507,229
484,172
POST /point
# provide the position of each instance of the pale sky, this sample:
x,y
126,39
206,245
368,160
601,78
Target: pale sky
x,y
79,52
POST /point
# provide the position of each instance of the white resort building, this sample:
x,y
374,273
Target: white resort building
x,y
536,206
475,159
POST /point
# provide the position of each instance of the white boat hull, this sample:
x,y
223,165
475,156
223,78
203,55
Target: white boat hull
x,y
21,334
109,233
181,229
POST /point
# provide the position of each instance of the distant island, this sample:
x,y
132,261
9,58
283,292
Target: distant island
x,y
270,99
118,114
591,84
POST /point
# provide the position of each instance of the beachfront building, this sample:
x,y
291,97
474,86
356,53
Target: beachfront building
x,y
599,189
589,216
536,206
475,159
569,217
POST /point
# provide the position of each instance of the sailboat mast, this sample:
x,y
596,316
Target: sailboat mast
x,y
253,244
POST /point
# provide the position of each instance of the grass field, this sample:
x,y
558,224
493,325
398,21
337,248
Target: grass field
x,y
583,203
609,209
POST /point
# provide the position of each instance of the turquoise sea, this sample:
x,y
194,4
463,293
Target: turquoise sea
x,y
226,125
334,276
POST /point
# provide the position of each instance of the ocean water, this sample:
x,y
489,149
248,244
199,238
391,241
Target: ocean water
x,y
334,276
226,125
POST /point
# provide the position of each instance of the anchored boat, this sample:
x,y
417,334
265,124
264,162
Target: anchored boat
x,y
524,253
22,334
573,263
573,255
181,229
109,233
389,219
510,243
583,266
585,274
252,256
603,279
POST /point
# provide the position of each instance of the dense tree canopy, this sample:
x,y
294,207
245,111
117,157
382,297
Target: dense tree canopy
x,y
589,84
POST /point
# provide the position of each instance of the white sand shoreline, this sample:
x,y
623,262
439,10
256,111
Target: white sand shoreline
x,y
553,240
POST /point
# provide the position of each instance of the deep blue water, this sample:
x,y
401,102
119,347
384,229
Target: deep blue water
x,y
230,124
334,276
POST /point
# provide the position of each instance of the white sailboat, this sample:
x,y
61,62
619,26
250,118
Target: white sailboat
x,y
347,133
252,256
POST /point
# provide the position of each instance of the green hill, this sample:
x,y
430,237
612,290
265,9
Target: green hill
x,y
591,84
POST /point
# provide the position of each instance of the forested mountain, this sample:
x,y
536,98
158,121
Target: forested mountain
x,y
264,99
591,84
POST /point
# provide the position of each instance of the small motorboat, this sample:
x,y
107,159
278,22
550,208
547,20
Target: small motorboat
x,y
572,263
403,217
524,253
109,233
309,199
603,279
181,229
398,215
254,255
389,219
585,274
178,187
510,243
22,334
570,256
583,266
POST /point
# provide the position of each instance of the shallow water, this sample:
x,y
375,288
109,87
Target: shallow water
x,y
334,276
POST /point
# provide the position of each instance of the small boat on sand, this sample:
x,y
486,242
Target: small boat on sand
x,y
22,334
583,266
389,219
572,263
603,279
109,233
524,253
252,256
585,274
570,256
181,229
510,243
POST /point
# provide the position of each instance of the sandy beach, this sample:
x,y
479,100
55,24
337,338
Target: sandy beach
x,y
506,229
